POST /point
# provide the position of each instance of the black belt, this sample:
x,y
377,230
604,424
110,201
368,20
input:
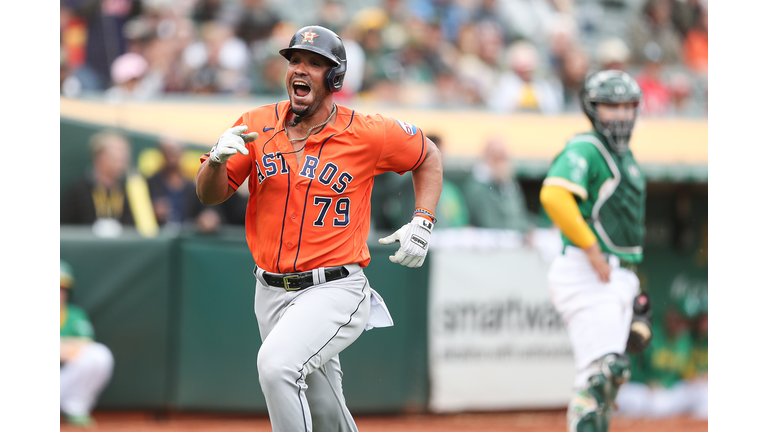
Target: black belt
x,y
299,281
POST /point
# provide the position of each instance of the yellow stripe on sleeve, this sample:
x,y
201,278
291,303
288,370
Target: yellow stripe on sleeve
x,y
561,207
567,185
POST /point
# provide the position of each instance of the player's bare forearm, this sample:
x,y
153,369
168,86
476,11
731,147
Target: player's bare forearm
x,y
428,178
212,184
601,266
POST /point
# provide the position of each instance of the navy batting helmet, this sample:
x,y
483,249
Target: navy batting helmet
x,y
320,40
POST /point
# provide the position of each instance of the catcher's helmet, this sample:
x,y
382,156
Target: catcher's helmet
x,y
328,44
611,87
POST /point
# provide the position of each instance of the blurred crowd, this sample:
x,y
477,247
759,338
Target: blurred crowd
x,y
159,189
503,55
156,192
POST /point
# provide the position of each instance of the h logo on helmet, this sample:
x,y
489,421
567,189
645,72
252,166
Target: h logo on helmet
x,y
309,36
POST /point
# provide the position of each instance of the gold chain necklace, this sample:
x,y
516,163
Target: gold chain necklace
x,y
333,111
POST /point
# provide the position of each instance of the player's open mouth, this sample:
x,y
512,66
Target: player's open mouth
x,y
301,89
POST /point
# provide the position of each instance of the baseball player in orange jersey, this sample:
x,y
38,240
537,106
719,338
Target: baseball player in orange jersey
x,y
310,166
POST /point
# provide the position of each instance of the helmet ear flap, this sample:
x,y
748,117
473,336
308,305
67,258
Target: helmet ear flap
x,y
335,77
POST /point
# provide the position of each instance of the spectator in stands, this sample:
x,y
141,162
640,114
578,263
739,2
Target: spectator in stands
x,y
266,70
207,10
431,53
490,10
165,53
160,36
393,198
653,34
171,191
681,88
366,29
521,88
451,15
576,65
657,96
101,196
528,19
85,365
493,196
353,78
333,15
420,62
475,75
174,199
210,219
130,74
76,76
695,45
104,36
613,53
562,39
255,22
268,76
451,211
685,14
218,61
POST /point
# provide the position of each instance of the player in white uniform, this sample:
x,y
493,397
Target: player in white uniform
x,y
595,193
86,365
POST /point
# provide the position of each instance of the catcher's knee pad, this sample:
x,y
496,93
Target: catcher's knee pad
x,y
640,330
590,409
611,371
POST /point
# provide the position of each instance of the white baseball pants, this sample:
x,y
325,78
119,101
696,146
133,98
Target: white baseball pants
x,y
302,334
597,314
82,379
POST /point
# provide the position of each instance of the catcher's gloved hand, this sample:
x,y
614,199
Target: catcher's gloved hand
x,y
640,330
231,142
414,242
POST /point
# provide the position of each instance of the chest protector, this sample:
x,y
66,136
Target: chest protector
x,y
619,212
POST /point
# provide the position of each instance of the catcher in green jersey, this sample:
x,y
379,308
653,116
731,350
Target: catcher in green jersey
x,y
595,193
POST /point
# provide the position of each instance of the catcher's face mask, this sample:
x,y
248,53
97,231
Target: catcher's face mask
x,y
610,100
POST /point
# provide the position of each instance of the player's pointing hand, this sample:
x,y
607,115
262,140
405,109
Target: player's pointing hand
x,y
414,242
231,142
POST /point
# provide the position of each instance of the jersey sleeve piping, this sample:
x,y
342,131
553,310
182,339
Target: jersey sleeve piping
x,y
351,118
568,185
421,156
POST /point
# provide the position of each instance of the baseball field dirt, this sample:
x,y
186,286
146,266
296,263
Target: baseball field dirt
x,y
523,421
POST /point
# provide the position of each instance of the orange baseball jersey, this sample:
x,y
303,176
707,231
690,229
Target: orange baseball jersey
x,y
316,213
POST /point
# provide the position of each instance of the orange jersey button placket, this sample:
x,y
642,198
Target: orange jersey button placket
x,y
293,223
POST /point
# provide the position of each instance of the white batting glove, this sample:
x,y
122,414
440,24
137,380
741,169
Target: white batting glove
x,y
414,242
231,142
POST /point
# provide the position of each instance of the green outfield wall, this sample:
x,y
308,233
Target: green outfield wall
x,y
185,337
